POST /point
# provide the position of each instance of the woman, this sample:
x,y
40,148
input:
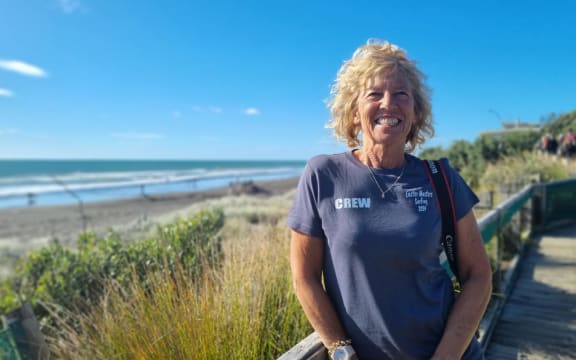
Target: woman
x,y
366,226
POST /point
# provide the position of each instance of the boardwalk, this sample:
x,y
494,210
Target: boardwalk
x,y
539,319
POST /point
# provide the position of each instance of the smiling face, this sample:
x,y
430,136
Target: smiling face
x,y
385,110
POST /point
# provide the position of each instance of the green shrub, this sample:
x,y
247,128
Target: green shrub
x,y
73,279
523,168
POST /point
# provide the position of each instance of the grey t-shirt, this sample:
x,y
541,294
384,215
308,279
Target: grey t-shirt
x,y
381,267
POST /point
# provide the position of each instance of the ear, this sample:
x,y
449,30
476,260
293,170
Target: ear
x,y
356,120
411,134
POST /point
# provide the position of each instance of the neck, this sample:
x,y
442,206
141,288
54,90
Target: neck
x,y
381,159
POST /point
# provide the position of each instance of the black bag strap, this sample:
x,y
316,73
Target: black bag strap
x,y
439,182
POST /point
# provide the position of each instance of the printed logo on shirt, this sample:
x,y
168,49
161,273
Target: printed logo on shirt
x,y
352,203
422,199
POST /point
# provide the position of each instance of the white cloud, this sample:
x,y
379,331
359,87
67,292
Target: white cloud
x,y
209,109
137,136
70,6
22,68
252,111
8,131
6,92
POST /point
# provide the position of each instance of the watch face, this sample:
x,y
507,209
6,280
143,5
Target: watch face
x,y
340,354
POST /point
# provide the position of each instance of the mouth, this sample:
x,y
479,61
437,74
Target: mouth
x,y
388,121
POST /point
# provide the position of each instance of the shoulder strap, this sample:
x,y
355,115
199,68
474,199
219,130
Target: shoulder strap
x,y
439,182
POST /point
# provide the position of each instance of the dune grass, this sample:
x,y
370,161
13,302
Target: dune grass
x,y
245,309
524,169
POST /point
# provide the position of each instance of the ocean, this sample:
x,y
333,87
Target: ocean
x,y
55,182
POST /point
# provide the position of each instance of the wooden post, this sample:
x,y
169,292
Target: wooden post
x,y
25,331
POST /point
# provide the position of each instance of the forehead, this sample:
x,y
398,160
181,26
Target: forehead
x,y
392,79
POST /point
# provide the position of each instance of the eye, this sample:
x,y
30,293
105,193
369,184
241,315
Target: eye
x,y
402,94
374,95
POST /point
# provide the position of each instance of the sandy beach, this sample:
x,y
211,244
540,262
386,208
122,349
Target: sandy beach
x,y
25,228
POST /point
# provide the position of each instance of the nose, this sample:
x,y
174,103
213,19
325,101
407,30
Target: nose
x,y
387,100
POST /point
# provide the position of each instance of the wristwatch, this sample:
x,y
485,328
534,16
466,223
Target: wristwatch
x,y
343,352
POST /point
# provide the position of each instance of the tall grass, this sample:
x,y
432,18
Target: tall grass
x,y
526,167
246,309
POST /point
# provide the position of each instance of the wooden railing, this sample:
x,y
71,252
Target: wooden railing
x,y
510,225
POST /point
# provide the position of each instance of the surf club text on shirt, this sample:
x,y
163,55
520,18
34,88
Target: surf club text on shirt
x,y
421,198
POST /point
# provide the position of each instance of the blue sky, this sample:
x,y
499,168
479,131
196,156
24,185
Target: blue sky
x,y
179,79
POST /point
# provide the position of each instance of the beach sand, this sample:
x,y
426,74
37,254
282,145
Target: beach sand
x,y
22,229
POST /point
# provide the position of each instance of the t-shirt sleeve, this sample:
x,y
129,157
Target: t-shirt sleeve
x,y
303,216
464,197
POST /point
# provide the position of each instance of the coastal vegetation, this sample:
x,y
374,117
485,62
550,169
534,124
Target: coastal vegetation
x,y
490,160
214,283
76,279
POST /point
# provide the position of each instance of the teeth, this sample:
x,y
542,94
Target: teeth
x,y
388,121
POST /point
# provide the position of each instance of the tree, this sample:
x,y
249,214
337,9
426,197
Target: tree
x,y
435,152
488,147
460,153
516,143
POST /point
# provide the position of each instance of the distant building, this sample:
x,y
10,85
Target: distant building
x,y
512,126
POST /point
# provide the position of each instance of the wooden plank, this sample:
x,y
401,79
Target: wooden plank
x,y
311,348
527,287
539,318
552,346
526,311
545,297
502,352
541,331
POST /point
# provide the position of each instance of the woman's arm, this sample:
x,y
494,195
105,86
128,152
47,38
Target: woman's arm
x,y
476,278
306,258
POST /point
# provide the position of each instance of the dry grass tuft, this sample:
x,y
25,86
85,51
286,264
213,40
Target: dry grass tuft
x,y
244,310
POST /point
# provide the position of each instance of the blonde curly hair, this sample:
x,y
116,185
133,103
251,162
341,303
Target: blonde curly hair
x,y
376,58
